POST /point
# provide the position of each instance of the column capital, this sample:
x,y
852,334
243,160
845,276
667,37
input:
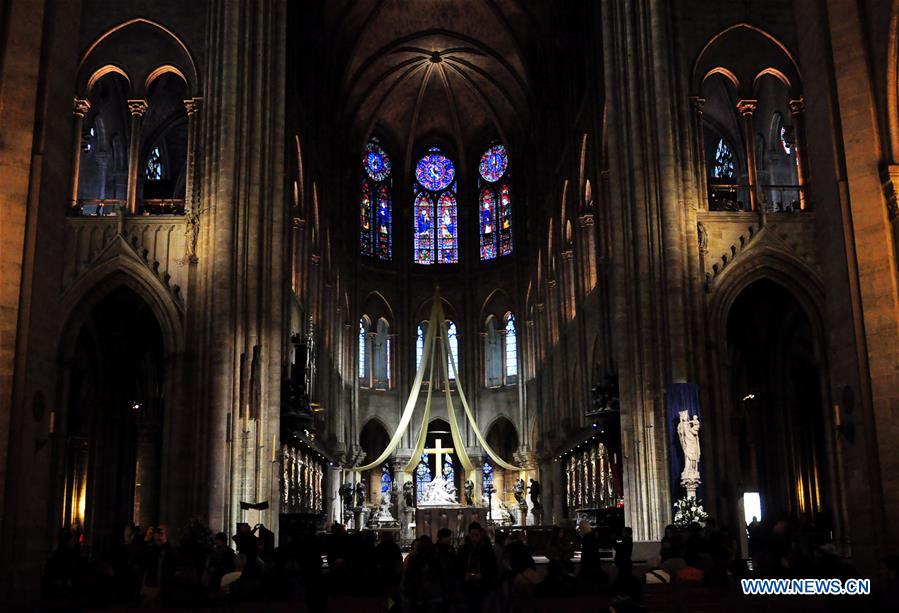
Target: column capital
x,y
698,103
192,105
81,107
568,255
797,106
747,107
138,107
552,283
299,223
315,259
586,220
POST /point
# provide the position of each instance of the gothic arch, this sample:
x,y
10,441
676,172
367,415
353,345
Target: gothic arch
x,y
498,303
145,49
375,305
725,54
120,270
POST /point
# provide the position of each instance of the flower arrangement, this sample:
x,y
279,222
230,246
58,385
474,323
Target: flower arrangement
x,y
689,510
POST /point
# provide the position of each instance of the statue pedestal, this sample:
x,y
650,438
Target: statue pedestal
x,y
522,514
429,520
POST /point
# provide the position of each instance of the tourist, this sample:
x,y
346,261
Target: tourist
x,y
624,548
672,544
421,580
219,562
478,568
159,570
447,562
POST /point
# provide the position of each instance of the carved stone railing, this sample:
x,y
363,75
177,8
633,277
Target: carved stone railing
x,y
159,242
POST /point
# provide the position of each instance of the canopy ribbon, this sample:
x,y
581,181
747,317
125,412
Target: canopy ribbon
x,y
458,443
410,402
423,429
474,426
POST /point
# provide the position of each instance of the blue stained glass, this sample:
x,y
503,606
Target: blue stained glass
x,y
494,163
375,222
422,476
488,225
434,171
448,472
424,229
386,479
488,478
376,162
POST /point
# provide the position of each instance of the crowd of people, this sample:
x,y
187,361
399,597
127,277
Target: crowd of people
x,y
450,574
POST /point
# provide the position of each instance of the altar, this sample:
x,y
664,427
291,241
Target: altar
x,y
429,520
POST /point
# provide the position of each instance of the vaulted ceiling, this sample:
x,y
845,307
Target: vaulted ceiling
x,y
450,69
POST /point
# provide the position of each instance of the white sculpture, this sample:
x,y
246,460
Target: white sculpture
x,y
383,515
439,492
688,433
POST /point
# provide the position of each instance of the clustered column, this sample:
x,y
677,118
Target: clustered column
x,y
137,108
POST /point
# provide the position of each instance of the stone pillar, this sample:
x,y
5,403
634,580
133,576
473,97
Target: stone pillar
x,y
192,106
559,487
796,110
746,109
102,158
80,111
137,108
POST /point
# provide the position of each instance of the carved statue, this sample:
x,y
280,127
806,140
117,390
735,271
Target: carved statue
x,y
469,492
535,494
360,494
383,513
688,433
346,495
408,489
703,238
518,490
440,491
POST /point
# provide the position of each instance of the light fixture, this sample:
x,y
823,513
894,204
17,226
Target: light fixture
x,y
748,397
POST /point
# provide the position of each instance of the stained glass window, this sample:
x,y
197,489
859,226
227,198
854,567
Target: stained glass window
x,y
436,231
363,351
493,354
153,169
380,355
386,479
488,479
724,161
449,472
511,350
422,476
495,203
375,206
488,225
785,141
453,342
420,344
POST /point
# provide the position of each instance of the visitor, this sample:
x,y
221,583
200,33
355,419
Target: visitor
x,y
447,563
478,569
62,569
624,548
158,570
672,544
219,562
591,577
559,568
240,562
523,571
421,580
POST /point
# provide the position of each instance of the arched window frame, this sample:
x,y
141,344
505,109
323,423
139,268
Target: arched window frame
x,y
501,352
364,352
376,203
381,376
494,203
510,350
435,226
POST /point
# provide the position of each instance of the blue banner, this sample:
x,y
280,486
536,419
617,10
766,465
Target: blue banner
x,y
681,397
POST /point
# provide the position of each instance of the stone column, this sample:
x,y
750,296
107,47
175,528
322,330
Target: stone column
x,y
80,111
137,108
797,108
192,106
746,109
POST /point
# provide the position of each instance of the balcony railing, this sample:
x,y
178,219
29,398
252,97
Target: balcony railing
x,y
774,198
782,198
96,207
162,206
729,197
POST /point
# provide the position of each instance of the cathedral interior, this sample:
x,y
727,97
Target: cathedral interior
x,y
292,263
